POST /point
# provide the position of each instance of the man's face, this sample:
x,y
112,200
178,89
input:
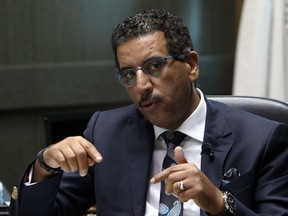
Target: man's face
x,y
166,100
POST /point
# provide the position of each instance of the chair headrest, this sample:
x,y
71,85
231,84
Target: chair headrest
x,y
265,107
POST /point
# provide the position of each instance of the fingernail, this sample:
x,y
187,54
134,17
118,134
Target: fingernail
x,y
98,158
174,195
83,173
152,181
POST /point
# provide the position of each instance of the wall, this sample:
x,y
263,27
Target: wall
x,y
56,56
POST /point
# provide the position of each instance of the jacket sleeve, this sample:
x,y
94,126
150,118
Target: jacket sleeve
x,y
34,199
270,178
62,194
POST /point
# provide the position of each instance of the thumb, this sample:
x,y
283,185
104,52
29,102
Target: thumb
x,y
179,155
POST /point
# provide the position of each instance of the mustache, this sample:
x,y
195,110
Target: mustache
x,y
149,98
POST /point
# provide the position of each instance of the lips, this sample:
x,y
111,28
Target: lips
x,y
148,102
148,107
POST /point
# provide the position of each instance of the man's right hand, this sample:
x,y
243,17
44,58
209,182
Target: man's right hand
x,y
70,154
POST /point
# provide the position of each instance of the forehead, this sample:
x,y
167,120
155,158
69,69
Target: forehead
x,y
146,46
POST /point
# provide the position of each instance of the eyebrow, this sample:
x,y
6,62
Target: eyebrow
x,y
144,62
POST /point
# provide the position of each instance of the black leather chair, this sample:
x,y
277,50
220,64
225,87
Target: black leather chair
x,y
268,108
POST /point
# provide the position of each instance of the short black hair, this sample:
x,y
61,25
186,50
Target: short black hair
x,y
150,21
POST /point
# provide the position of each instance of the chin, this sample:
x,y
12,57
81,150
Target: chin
x,y
154,120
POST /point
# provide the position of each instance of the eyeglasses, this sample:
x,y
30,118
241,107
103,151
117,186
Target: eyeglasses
x,y
127,76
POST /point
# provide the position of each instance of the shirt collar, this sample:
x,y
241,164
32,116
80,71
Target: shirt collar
x,y
194,125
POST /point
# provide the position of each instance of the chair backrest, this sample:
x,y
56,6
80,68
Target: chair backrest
x,y
268,108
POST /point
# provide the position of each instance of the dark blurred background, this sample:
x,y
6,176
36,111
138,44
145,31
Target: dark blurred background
x,y
56,65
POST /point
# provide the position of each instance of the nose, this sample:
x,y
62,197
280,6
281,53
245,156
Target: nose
x,y
143,82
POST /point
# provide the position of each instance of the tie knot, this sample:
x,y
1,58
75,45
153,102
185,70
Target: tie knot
x,y
173,137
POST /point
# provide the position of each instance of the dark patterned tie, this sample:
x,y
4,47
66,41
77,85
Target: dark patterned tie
x,y
169,204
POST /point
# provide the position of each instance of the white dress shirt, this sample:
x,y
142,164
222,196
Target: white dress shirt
x,y
193,127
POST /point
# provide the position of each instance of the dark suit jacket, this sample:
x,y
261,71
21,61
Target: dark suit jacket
x,y
257,147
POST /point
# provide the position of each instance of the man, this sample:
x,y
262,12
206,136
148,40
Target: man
x,y
230,162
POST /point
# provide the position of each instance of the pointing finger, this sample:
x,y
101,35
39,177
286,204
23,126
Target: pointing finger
x,y
91,151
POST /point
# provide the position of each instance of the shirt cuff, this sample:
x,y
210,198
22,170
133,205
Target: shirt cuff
x,y
28,179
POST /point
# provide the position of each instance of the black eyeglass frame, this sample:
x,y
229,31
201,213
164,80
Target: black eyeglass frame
x,y
146,70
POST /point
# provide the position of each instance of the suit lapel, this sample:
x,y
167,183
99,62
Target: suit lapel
x,y
218,136
139,145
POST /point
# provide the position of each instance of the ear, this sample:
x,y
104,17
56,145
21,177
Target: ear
x,y
193,62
